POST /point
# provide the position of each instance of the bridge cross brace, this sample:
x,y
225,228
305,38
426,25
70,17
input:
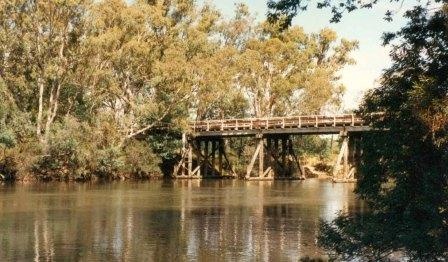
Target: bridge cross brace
x,y
274,162
206,157
347,162
203,158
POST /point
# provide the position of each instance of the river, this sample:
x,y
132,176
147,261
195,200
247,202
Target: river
x,y
205,220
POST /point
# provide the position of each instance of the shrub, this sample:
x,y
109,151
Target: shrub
x,y
140,161
65,157
110,163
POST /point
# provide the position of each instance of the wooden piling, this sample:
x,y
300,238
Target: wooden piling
x,y
206,157
269,162
220,154
199,158
284,152
252,161
190,160
261,158
346,153
213,157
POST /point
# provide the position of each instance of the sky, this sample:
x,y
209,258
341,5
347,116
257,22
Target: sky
x,y
366,26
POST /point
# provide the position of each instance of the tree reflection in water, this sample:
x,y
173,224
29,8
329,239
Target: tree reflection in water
x,y
168,220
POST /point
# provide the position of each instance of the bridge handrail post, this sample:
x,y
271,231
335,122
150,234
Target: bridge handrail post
x,y
301,121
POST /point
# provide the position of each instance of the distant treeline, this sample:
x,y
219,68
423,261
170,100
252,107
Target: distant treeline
x,y
82,82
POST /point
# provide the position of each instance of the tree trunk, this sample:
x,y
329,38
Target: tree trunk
x,y
52,111
39,113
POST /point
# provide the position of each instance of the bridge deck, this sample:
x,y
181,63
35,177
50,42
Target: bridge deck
x,y
316,124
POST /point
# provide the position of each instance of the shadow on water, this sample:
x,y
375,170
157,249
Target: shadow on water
x,y
168,220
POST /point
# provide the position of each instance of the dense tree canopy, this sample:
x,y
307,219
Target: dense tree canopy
x,y
290,72
270,71
404,174
86,80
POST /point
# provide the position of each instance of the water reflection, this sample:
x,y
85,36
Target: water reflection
x,y
168,220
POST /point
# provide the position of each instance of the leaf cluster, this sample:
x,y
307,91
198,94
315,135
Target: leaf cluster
x,y
285,10
404,176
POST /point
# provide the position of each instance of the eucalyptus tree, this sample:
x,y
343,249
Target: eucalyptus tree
x,y
284,72
144,60
216,95
90,76
40,51
216,68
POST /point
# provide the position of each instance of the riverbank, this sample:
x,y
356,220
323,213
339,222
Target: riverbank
x,y
317,171
33,178
67,165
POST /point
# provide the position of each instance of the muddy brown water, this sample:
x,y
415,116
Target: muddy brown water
x,y
208,220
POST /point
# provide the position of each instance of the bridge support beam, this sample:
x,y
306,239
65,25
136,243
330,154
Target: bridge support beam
x,y
262,174
286,163
184,169
276,160
211,160
190,161
273,158
345,168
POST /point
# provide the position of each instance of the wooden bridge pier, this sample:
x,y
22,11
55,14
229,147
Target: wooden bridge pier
x,y
347,162
210,160
276,159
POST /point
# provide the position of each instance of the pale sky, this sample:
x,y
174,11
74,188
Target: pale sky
x,y
366,26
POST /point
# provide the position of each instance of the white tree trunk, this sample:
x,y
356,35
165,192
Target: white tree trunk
x,y
39,113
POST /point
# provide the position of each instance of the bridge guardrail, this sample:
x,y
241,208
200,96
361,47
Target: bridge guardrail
x,y
277,122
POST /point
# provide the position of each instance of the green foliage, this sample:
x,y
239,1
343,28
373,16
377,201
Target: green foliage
x,y
404,175
285,10
7,139
15,134
110,161
140,161
7,136
78,151
88,83
313,145
66,157
165,145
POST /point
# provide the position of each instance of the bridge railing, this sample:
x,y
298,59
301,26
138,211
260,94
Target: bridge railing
x,y
277,122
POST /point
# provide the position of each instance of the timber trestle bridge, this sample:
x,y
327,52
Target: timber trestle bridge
x,y
204,153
